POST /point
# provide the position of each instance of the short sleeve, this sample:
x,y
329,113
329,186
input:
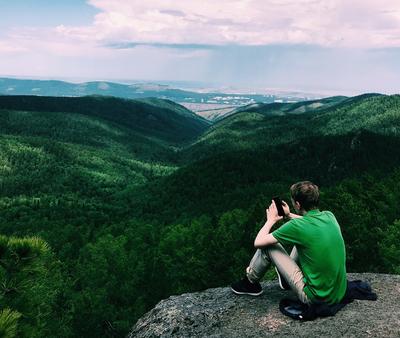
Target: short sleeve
x,y
288,233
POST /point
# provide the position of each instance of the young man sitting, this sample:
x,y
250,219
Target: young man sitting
x,y
315,269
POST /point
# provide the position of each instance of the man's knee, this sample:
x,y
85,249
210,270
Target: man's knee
x,y
258,265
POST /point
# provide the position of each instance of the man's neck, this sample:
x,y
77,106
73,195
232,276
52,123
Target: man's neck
x,y
303,212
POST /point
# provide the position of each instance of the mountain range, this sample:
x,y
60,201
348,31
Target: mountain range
x,y
209,102
140,199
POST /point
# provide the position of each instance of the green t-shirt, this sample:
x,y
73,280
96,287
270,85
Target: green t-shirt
x,y
322,254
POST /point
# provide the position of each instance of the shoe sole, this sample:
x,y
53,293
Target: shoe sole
x,y
280,280
247,293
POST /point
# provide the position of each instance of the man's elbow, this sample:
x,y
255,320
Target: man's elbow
x,y
257,244
262,243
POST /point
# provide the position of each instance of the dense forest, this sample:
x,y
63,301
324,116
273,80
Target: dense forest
x,y
108,205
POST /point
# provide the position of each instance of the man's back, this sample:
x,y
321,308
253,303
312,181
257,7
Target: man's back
x,y
321,251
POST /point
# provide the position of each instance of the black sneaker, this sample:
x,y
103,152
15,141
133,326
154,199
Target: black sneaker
x,y
282,281
245,287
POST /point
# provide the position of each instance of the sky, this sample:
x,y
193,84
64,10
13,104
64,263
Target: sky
x,y
331,46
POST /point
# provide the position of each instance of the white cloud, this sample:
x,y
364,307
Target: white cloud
x,y
10,48
124,23
131,39
333,23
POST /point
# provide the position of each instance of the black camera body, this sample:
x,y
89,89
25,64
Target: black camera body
x,y
279,205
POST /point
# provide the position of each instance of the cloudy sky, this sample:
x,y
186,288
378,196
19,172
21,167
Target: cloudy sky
x,y
336,46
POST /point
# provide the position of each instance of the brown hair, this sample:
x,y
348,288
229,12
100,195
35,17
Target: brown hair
x,y
306,193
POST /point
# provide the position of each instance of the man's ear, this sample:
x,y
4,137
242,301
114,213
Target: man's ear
x,y
297,205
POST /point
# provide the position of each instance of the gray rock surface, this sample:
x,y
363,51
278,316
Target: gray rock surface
x,y
219,313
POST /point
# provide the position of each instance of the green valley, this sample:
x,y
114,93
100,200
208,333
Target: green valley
x,y
142,199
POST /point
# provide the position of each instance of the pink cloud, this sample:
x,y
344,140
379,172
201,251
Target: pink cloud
x,y
368,23
81,50
330,23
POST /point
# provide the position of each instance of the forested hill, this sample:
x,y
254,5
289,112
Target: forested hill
x,y
293,108
274,109
140,200
280,108
152,117
66,166
255,128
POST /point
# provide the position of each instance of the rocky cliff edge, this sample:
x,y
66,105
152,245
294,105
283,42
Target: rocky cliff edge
x,y
219,313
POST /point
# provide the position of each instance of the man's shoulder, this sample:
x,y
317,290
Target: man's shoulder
x,y
328,213
303,221
324,216
294,222
321,213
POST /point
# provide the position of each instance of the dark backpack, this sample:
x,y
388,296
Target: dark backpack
x,y
297,310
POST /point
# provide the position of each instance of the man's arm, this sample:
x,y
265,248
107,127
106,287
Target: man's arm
x,y
264,238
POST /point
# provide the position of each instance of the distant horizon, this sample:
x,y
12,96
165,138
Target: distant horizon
x,y
330,47
192,85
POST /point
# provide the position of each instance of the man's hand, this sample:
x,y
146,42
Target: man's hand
x,y
288,214
286,208
264,238
272,213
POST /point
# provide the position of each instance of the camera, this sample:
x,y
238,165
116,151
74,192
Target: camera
x,y
279,205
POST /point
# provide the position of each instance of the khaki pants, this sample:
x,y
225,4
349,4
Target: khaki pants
x,y
286,265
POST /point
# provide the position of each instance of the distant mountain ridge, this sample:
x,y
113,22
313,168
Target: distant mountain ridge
x,y
199,100
156,117
279,109
9,86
